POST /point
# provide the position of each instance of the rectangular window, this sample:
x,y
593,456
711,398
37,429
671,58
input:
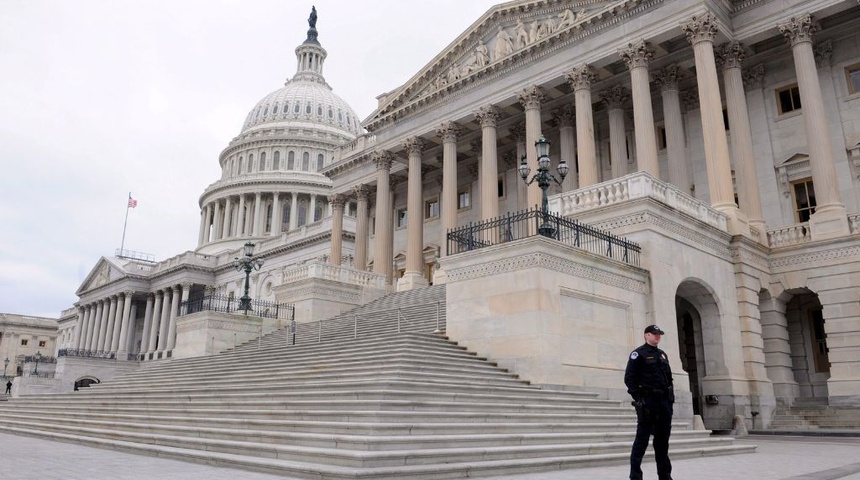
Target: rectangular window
x,y
431,208
24,342
501,186
804,199
401,218
852,76
788,99
464,198
42,343
661,138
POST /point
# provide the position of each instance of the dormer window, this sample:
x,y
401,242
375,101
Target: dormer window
x,y
308,109
266,111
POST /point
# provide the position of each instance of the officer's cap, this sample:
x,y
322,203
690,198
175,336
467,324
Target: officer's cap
x,y
654,329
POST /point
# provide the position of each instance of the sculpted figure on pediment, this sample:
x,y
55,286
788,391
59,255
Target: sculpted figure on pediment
x,y
521,36
453,74
548,26
103,276
504,45
482,55
440,82
565,19
533,32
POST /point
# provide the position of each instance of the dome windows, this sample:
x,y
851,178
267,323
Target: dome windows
x,y
308,109
306,161
266,111
275,109
276,162
319,110
297,108
263,162
291,161
339,116
330,113
320,162
250,163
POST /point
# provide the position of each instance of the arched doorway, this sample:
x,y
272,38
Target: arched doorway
x,y
85,382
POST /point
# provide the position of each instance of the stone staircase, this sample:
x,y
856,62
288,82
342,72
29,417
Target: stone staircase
x,y
368,403
816,417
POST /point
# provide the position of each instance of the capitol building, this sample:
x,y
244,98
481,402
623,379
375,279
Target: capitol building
x,y
709,149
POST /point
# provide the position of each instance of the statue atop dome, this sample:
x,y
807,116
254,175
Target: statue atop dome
x,y
312,31
312,20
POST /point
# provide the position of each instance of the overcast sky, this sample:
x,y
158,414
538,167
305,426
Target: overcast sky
x,y
99,98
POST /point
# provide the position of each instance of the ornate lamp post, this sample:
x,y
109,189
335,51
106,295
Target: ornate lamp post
x,y
544,179
247,263
38,357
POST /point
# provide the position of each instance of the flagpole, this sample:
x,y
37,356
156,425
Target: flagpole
x,y
124,224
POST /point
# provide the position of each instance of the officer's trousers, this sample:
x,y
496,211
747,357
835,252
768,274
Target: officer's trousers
x,y
655,419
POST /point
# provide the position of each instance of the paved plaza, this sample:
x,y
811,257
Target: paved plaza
x,y
778,458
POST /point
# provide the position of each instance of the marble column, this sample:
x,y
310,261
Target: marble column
x,y
95,315
276,214
637,56
361,227
701,31
309,219
389,232
336,201
731,56
830,219
294,211
531,100
132,326
240,217
108,316
83,328
228,215
120,346
382,255
673,122
112,339
174,312
448,132
156,321
216,221
78,326
147,323
564,120
414,275
615,98
489,174
580,80
518,134
202,238
164,325
257,227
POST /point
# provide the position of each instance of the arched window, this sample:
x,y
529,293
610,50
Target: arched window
x,y
317,213
276,162
330,113
339,116
266,111
275,109
269,217
241,165
286,109
308,109
285,218
259,112
297,108
303,214
250,163
263,161
291,160
306,161
320,162
319,110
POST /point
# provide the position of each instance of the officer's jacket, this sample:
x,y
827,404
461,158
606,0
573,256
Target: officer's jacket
x,y
648,374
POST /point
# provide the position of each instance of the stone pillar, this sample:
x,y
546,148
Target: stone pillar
x,y
294,211
164,324
147,323
564,119
389,232
382,255
82,327
615,97
216,221
174,312
78,327
132,326
701,31
637,56
777,351
448,133
204,223
489,174
531,99
361,227
108,316
276,214
156,321
580,80
121,343
95,316
518,133
414,275
336,201
673,122
830,218
112,339
228,211
312,207
731,56
257,227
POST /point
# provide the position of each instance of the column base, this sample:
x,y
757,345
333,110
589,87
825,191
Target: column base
x,y
411,281
736,221
829,221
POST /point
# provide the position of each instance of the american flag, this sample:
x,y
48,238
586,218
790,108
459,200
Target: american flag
x,y
131,202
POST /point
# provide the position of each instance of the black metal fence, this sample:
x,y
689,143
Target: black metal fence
x,y
226,304
74,352
528,223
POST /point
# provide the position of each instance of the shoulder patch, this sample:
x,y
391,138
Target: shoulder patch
x,y
634,355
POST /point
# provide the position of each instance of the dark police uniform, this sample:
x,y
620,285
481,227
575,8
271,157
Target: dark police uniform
x,y
649,381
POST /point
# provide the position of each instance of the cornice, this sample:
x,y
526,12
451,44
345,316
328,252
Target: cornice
x,y
281,141
281,180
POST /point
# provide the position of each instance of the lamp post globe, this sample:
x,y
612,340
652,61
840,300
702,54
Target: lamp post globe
x,y
544,179
247,264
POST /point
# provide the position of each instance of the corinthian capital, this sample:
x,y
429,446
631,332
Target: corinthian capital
x,y
518,131
637,54
667,77
337,200
448,132
798,29
563,116
754,77
823,51
730,55
701,28
413,145
581,77
487,116
383,159
532,97
362,192
615,96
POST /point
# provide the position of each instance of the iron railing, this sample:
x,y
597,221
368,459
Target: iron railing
x,y
226,304
529,223
76,352
32,359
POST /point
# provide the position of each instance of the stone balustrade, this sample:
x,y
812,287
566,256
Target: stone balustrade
x,y
635,186
338,273
854,222
789,235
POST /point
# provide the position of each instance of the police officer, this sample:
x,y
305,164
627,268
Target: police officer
x,y
649,381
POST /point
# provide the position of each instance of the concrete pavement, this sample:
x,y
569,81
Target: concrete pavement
x,y
778,458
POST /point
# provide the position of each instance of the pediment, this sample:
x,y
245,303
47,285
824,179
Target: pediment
x,y
105,271
504,34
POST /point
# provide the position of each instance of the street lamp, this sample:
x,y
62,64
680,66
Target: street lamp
x,y
38,357
544,179
247,263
